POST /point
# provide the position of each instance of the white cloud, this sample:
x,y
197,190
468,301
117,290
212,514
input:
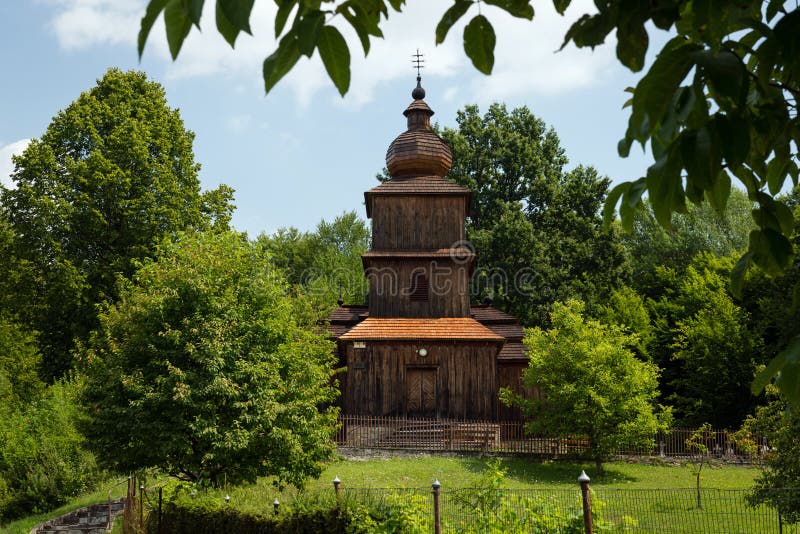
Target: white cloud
x,y
80,24
525,60
6,165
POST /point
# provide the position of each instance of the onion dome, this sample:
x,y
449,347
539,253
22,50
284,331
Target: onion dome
x,y
418,151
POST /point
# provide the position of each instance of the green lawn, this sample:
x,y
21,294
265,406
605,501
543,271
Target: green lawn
x,y
526,473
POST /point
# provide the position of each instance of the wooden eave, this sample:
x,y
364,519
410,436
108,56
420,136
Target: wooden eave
x,y
418,186
407,329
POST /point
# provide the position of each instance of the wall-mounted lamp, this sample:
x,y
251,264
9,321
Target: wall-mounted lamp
x,y
422,353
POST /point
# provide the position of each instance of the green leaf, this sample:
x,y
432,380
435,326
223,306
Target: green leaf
x,y
358,26
666,188
610,205
561,5
154,8
725,71
734,134
225,27
517,8
237,12
776,174
771,250
450,17
719,192
747,178
194,10
632,45
308,31
335,56
281,61
785,365
700,152
479,41
654,92
284,10
737,274
773,214
624,146
178,24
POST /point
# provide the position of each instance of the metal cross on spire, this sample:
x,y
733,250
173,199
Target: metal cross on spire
x,y
418,61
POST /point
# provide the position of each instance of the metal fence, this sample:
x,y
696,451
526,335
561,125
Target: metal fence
x,y
661,511
510,437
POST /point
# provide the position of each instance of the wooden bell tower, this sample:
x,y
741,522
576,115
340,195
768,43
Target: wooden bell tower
x,y
417,349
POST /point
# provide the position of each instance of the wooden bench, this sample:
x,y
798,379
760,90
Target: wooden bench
x,y
473,435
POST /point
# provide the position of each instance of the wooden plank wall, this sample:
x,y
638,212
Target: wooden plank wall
x,y
391,281
466,385
417,222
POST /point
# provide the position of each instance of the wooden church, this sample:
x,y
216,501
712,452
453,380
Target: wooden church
x,y
420,348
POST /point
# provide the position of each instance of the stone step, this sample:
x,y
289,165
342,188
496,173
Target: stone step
x,y
89,520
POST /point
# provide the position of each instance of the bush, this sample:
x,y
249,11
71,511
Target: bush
x,y
186,515
43,462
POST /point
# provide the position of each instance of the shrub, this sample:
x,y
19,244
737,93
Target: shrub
x,y
42,457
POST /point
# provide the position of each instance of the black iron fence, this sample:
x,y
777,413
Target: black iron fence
x,y
664,511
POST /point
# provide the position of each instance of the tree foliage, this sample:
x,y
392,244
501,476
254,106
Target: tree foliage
x,y
591,385
777,483
326,262
207,369
718,104
534,225
699,230
43,457
715,351
110,178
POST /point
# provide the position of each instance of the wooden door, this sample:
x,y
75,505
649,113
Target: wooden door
x,y
421,392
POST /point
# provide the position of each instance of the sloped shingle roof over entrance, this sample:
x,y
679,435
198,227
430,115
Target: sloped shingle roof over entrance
x,y
448,328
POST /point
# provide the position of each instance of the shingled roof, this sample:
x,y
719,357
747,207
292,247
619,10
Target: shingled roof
x,y
446,328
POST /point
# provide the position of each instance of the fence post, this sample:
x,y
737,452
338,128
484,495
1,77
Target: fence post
x,y
437,517
587,504
336,484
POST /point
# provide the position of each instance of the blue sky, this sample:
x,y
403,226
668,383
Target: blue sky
x,y
303,153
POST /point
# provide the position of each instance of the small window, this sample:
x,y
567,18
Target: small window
x,y
419,287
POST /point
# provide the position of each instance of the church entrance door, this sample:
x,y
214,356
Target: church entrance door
x,y
421,393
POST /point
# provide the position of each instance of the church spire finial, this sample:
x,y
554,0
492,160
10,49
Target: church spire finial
x,y
419,63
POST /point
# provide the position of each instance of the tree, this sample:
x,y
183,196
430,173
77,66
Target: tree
x,y
696,444
777,483
591,385
715,351
535,226
208,370
112,176
718,103
700,229
326,262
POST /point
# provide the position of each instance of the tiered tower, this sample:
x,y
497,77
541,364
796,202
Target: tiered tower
x,y
418,266
417,349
